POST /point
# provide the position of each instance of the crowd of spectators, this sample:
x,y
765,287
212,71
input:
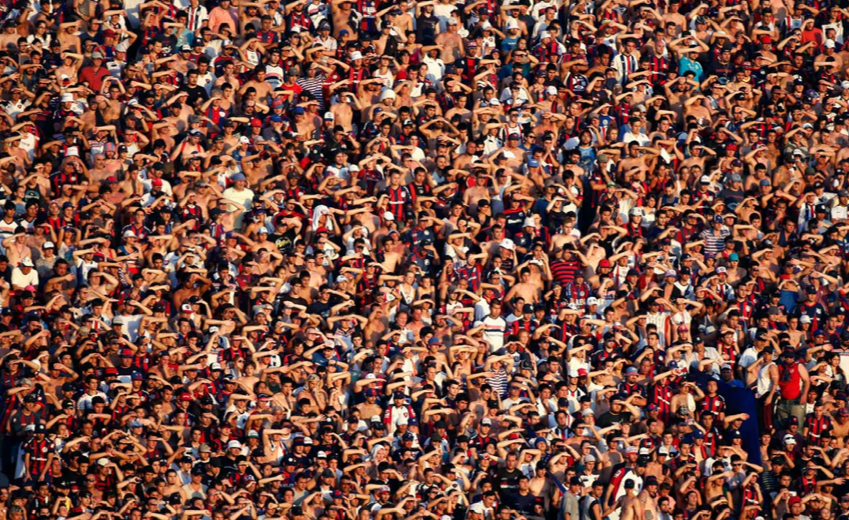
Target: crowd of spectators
x,y
424,260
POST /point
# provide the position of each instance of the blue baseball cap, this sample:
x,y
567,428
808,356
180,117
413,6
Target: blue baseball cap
x,y
299,111
533,163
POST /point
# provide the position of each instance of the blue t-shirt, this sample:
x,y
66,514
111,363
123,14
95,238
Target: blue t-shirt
x,y
685,64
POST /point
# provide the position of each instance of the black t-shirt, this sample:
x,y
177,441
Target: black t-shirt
x,y
284,240
530,21
228,465
426,28
320,308
75,477
524,504
169,43
295,299
195,93
509,479
609,419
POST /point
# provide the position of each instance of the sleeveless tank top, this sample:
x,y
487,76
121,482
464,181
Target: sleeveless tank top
x,y
764,383
790,382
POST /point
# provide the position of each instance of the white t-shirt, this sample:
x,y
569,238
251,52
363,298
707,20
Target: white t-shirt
x,y
493,332
642,139
435,68
242,198
22,280
341,172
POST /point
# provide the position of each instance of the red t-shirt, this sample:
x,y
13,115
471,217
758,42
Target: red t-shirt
x,y
94,78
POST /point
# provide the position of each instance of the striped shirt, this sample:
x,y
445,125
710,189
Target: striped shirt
x,y
315,87
714,243
563,271
498,382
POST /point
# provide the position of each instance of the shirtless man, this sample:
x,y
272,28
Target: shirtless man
x,y
540,486
716,481
634,159
473,151
98,173
679,91
341,15
303,127
840,427
228,77
108,110
479,191
674,17
403,21
416,324
261,241
377,322
525,289
697,158
697,109
392,248
629,505
451,44
648,498
263,88
341,110
14,149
